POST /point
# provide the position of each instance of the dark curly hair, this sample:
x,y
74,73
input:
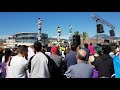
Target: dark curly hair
x,y
106,49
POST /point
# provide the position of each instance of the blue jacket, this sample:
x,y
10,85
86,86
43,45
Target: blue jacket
x,y
116,62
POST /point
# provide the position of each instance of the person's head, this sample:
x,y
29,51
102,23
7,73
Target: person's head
x,y
106,49
54,50
32,46
23,50
7,54
90,43
116,50
81,55
37,46
67,50
86,45
98,44
78,48
49,45
91,59
99,52
48,49
73,47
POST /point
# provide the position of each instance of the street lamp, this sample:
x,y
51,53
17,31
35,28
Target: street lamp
x,y
59,33
39,29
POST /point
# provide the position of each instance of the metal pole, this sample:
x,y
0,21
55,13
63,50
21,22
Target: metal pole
x,y
96,31
113,39
97,37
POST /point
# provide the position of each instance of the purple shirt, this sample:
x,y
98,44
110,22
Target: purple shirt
x,y
70,58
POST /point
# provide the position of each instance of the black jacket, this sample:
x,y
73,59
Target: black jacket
x,y
104,64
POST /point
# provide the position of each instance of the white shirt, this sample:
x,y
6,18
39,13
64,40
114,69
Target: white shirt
x,y
30,52
3,59
63,54
39,66
17,68
48,53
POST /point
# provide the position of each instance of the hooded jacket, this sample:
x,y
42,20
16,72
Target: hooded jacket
x,y
104,64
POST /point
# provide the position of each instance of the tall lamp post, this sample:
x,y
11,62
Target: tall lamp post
x,y
59,33
39,29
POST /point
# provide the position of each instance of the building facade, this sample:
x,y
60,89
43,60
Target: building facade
x,y
26,38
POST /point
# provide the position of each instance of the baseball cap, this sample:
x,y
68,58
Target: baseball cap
x,y
54,49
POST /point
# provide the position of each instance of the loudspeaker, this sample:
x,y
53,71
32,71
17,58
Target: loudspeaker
x,y
100,28
76,39
112,33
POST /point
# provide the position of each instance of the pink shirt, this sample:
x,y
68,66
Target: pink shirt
x,y
92,51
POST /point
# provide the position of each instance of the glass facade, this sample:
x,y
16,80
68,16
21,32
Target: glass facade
x,y
26,35
30,37
26,40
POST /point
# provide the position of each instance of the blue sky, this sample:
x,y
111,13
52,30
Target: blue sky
x,y
13,22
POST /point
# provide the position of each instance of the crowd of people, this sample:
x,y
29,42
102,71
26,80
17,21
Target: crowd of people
x,y
76,61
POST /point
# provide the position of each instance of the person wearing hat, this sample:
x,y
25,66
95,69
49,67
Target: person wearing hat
x,y
57,59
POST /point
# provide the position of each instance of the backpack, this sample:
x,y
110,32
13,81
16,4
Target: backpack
x,y
29,64
53,69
